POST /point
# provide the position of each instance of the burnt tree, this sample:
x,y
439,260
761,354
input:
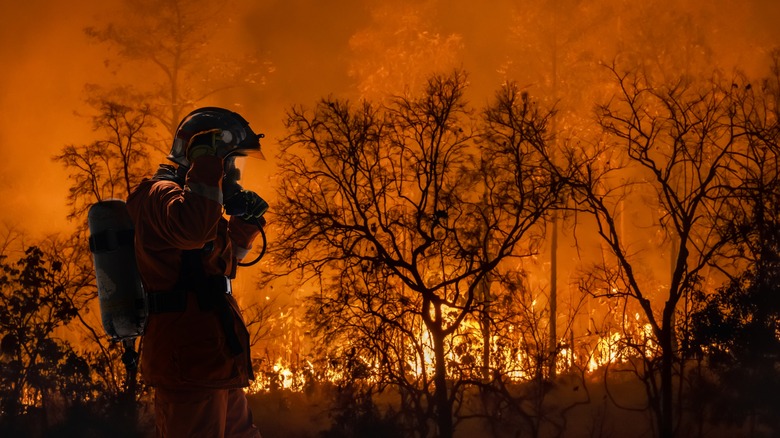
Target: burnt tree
x,y
669,151
398,214
735,329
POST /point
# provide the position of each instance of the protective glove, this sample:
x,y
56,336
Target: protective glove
x,y
211,142
247,205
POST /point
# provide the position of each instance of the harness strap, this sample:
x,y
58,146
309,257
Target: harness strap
x,y
211,292
167,301
110,239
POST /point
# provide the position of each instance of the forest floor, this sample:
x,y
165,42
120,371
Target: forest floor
x,y
571,410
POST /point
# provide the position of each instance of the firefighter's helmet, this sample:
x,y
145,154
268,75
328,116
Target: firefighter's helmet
x,y
238,137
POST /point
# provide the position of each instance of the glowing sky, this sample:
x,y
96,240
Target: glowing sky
x,y
47,59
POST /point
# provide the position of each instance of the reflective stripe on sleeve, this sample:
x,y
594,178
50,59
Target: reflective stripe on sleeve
x,y
239,252
205,190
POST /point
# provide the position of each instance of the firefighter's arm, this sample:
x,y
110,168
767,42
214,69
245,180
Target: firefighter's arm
x,y
187,218
242,234
246,209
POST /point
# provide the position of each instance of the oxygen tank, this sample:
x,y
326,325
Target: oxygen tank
x,y
123,305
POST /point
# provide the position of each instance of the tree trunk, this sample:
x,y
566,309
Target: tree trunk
x,y
553,346
554,243
666,421
128,396
486,329
441,396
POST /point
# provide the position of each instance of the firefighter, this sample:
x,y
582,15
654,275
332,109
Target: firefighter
x,y
195,348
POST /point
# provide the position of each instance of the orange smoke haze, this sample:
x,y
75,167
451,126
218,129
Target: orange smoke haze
x,y
47,60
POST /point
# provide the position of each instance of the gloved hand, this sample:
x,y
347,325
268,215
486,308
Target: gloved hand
x,y
255,206
247,205
212,142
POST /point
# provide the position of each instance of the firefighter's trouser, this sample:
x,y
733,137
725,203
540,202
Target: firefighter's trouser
x,y
203,413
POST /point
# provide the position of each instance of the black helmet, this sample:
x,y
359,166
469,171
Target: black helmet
x,y
236,133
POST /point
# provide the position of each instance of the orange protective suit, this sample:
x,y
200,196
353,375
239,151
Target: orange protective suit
x,y
186,352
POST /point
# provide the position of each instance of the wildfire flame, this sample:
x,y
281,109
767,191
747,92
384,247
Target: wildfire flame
x,y
592,352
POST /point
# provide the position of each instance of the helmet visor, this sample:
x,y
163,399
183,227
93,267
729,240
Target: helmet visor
x,y
249,146
253,153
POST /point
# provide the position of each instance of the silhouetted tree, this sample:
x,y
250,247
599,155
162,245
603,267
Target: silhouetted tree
x,y
670,148
110,167
400,216
558,46
39,369
54,383
736,328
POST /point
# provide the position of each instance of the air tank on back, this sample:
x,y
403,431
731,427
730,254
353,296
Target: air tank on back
x,y
123,306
